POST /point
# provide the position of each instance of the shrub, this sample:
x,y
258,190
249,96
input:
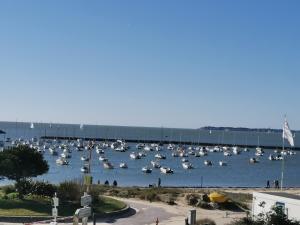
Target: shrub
x,y
23,187
12,195
204,205
205,221
8,189
192,199
70,191
43,189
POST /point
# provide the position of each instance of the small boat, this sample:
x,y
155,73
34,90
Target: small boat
x,y
227,153
207,163
99,151
246,150
142,154
140,146
236,150
103,159
123,165
253,160
187,165
134,156
259,154
83,158
160,156
203,153
146,169
65,155
62,161
53,151
175,154
170,146
184,160
84,169
155,164
183,154
148,148
222,163
107,165
166,170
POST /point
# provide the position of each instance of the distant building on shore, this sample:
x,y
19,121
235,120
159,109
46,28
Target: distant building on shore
x,y
264,202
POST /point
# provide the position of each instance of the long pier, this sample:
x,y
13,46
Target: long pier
x,y
166,142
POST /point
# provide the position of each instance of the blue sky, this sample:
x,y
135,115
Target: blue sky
x,y
151,63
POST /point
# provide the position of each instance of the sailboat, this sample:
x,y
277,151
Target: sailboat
x,y
286,134
81,126
32,125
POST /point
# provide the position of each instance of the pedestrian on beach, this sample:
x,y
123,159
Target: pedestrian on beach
x,y
157,221
268,184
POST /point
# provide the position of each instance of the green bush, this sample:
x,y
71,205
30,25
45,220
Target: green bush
x,y
43,189
23,187
70,191
12,195
275,217
8,189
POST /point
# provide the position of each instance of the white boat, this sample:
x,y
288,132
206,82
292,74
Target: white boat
x,y
227,153
160,156
259,149
157,148
62,161
142,154
203,153
253,160
175,154
236,150
222,163
83,158
155,164
103,159
107,165
207,163
246,150
134,156
166,170
53,151
183,154
120,149
65,155
187,165
123,165
148,148
84,169
170,146
146,169
184,160
140,146
259,154
99,151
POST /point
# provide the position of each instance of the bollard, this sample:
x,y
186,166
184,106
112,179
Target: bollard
x,y
192,217
94,219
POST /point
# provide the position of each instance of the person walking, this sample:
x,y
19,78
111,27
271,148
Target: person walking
x,y
268,184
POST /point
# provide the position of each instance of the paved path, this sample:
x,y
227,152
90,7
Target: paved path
x,y
143,214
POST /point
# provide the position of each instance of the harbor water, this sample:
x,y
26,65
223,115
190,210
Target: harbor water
x,y
238,172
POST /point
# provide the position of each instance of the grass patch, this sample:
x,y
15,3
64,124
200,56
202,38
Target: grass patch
x,y
42,207
106,205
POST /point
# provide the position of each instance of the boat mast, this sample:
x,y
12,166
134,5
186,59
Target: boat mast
x,y
282,164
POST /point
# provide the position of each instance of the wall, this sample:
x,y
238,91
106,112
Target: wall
x,y
292,206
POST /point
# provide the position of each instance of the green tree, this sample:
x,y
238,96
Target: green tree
x,y
21,163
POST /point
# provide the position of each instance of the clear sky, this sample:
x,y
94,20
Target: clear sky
x,y
151,63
